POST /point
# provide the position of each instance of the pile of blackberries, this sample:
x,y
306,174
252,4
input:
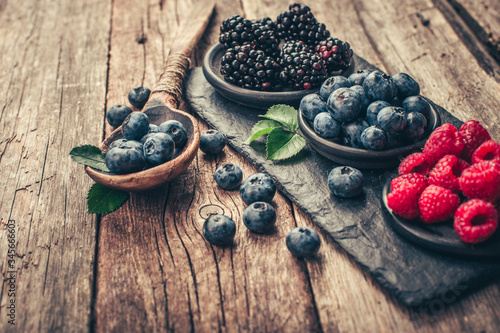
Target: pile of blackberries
x,y
253,58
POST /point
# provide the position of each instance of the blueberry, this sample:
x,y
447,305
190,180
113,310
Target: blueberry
x,y
125,159
152,129
358,77
117,113
311,105
135,126
374,138
417,104
406,85
116,143
373,109
219,230
212,142
344,104
159,148
228,176
395,140
392,119
351,133
415,126
380,86
127,143
325,126
331,84
177,132
259,217
138,97
345,181
258,187
365,100
303,242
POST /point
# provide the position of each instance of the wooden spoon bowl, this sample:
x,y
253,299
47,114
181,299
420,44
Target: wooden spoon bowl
x,y
158,175
162,106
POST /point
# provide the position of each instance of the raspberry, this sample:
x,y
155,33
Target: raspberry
x,y
437,204
447,171
473,134
414,163
475,221
404,202
481,181
416,180
443,141
487,151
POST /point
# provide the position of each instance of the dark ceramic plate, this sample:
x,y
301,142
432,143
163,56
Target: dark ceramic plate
x,y
251,98
365,158
439,237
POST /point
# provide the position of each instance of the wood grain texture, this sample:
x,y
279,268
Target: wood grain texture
x,y
155,272
483,18
53,63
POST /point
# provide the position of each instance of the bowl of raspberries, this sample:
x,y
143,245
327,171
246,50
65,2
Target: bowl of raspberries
x,y
263,62
446,196
368,119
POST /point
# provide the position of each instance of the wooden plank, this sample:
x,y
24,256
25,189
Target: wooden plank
x,y
483,18
53,59
178,281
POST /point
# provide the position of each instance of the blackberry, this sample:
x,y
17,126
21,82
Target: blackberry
x,y
336,53
237,31
301,68
249,68
299,24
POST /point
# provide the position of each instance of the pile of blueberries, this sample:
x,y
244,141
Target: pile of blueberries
x,y
257,191
144,145
368,110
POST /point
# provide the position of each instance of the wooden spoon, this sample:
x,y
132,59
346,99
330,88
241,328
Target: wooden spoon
x,y
162,105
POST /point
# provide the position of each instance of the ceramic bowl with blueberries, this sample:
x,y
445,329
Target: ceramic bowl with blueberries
x,y
367,120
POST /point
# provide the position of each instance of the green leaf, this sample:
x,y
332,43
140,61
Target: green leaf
x,y
284,114
103,200
91,156
283,144
261,128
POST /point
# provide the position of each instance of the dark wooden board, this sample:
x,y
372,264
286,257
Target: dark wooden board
x,y
412,274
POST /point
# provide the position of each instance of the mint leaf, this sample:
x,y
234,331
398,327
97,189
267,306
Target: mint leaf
x,y
103,200
261,128
284,114
90,156
283,144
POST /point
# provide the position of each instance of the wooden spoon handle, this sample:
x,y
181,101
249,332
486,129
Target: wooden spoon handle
x,y
169,87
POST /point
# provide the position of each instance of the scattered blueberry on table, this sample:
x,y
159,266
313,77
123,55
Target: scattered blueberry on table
x,y
228,176
345,181
212,142
259,217
258,187
303,242
219,230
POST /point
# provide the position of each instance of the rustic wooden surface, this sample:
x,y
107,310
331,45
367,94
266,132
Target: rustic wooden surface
x,y
146,267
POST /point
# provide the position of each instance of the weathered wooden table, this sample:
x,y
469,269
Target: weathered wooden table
x,y
146,267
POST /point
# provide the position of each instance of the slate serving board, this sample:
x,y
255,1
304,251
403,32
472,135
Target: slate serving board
x,y
412,274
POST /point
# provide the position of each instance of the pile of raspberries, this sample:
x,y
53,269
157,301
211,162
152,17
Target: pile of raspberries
x,y
456,176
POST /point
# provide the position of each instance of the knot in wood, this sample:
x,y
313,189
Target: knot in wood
x,y
208,210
